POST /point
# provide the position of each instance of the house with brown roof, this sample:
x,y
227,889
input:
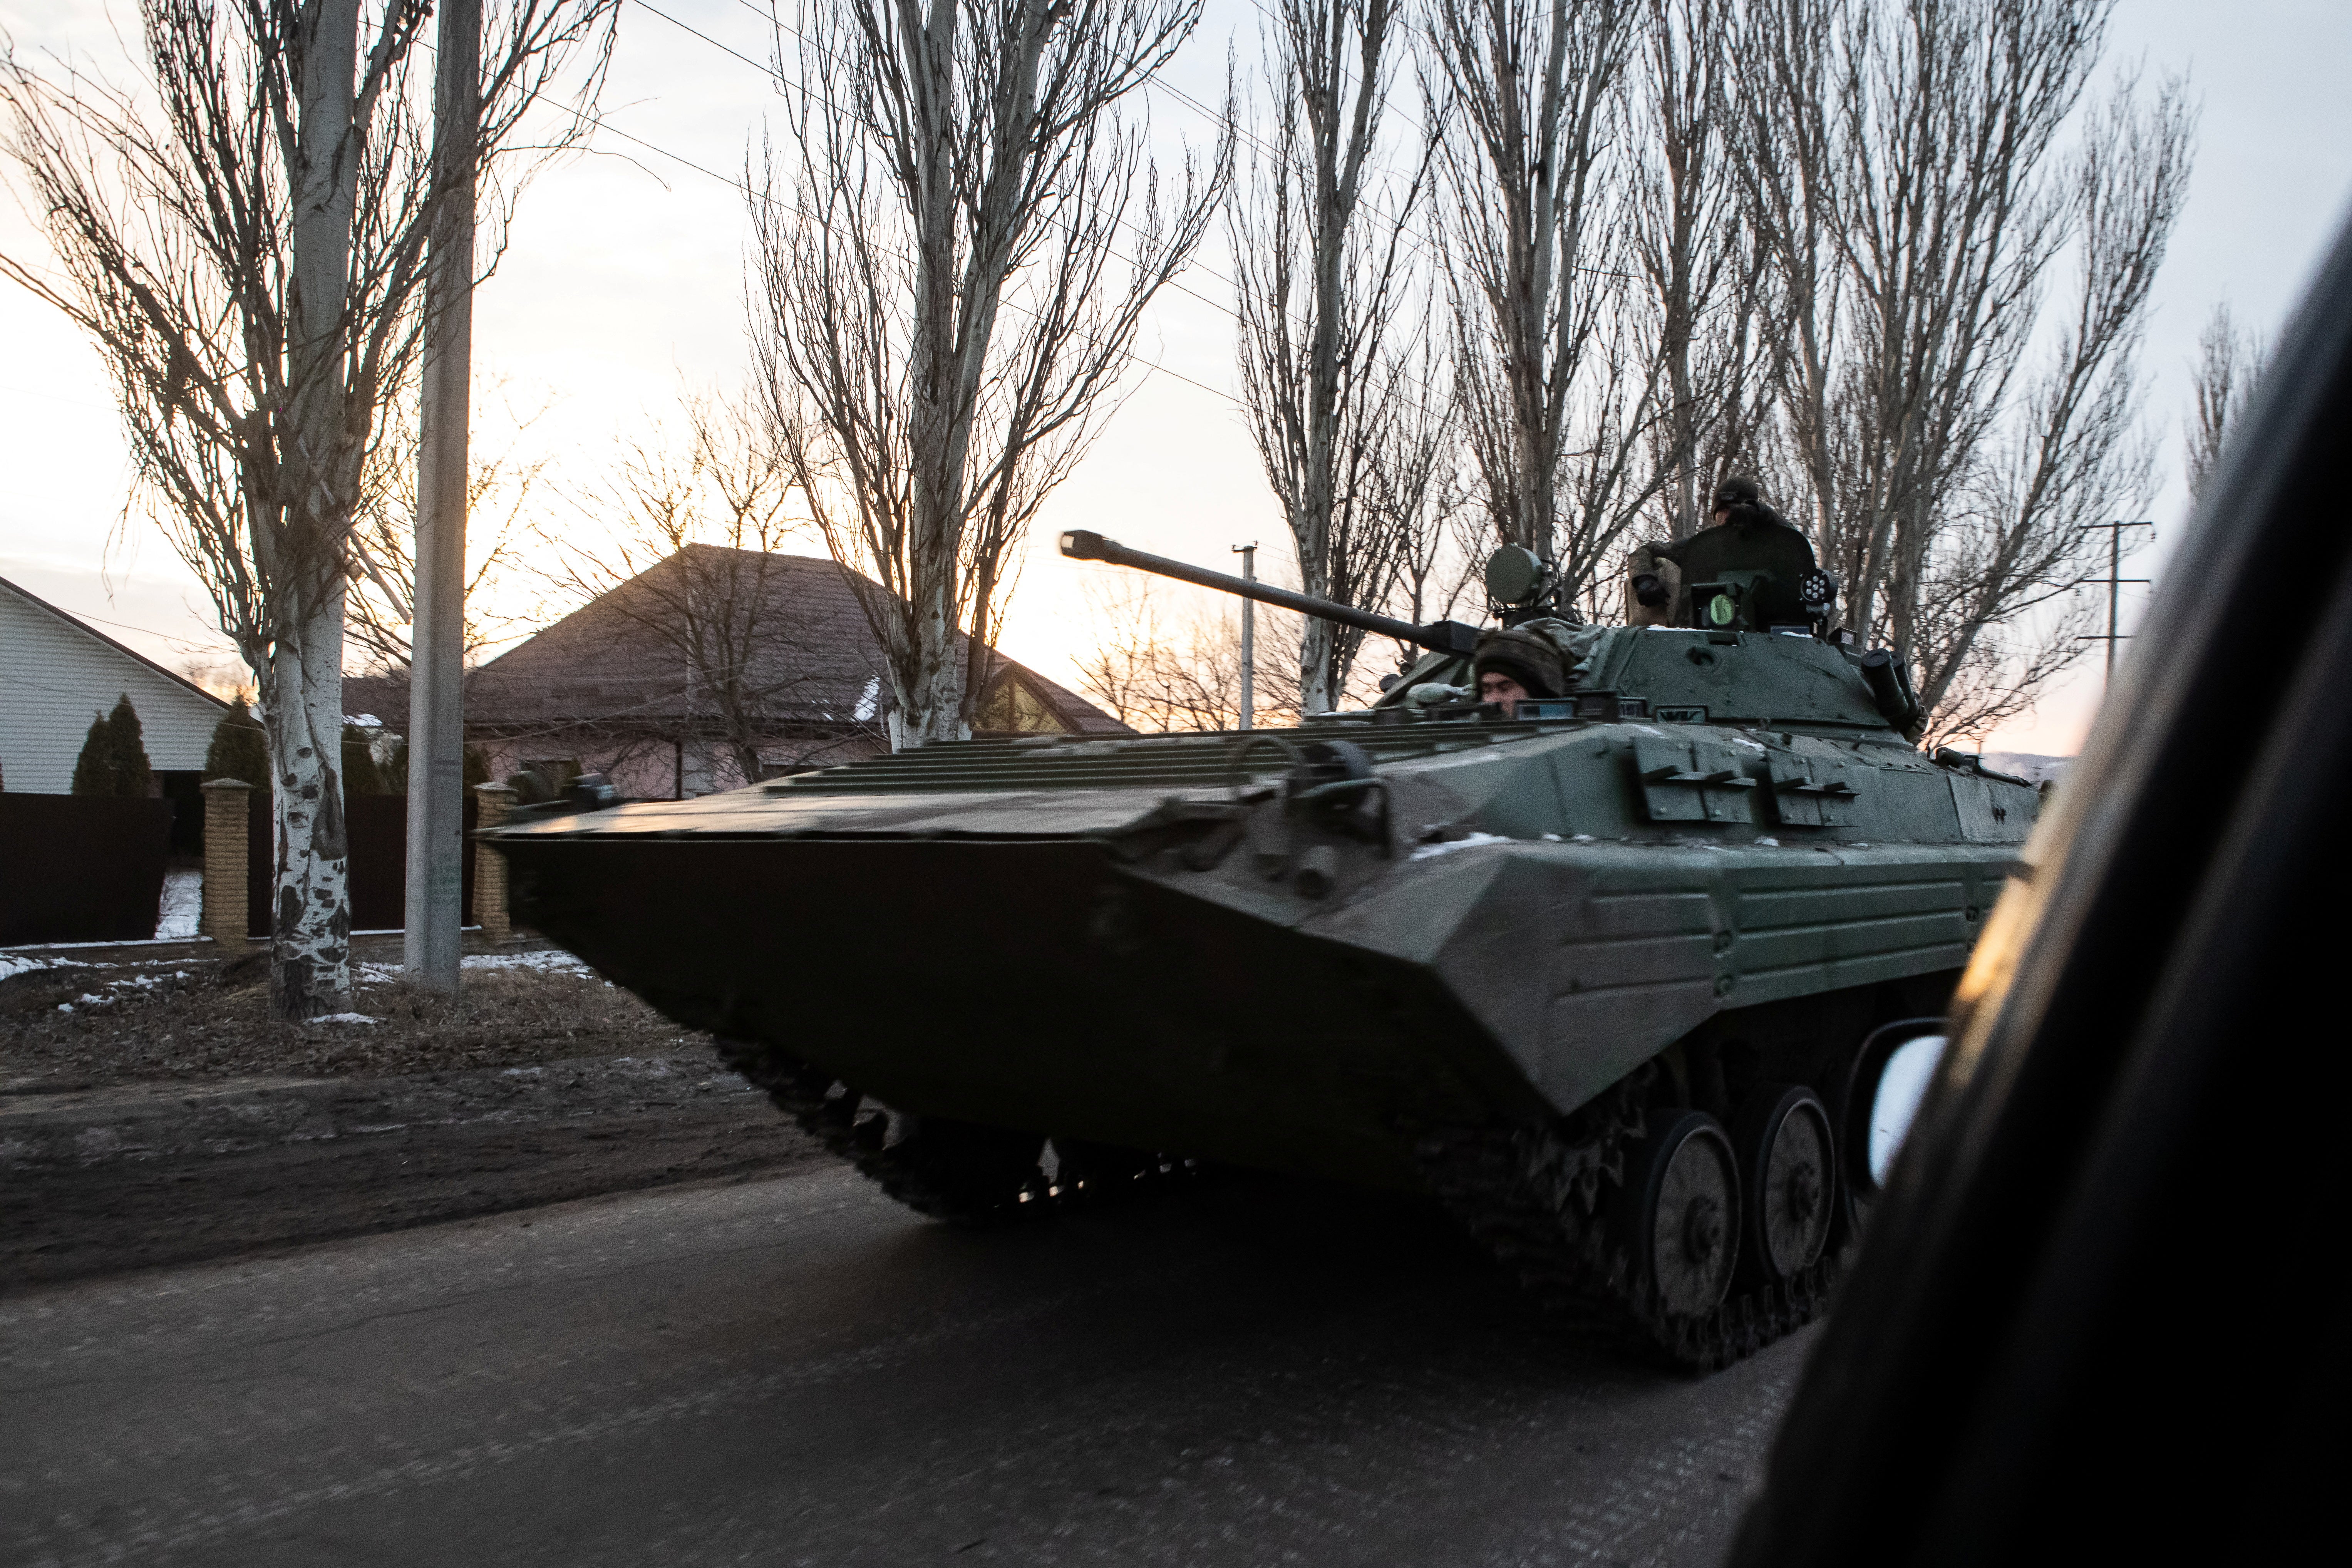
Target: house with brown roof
x,y
710,663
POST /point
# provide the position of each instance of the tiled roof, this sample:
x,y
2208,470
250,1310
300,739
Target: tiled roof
x,y
603,666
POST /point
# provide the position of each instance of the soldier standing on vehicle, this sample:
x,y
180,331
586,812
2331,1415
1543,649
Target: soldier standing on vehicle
x,y
1746,537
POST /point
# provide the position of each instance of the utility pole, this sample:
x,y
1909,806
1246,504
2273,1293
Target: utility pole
x,y
1248,552
2115,581
436,712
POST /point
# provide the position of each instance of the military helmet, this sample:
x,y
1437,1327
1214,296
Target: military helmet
x,y
1736,491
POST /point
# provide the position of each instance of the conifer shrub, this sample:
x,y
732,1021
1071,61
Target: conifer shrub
x,y
114,762
361,775
239,750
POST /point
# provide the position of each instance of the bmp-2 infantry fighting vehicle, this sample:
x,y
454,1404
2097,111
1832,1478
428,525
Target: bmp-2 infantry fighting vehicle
x,y
1607,973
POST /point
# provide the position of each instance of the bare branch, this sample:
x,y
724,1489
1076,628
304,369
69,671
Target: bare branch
x,y
944,306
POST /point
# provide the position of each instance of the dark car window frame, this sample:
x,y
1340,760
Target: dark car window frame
x,y
2088,1308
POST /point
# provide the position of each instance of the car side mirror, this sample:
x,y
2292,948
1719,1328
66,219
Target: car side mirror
x,y
1889,1080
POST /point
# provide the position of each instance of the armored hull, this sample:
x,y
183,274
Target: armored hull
x,y
1443,948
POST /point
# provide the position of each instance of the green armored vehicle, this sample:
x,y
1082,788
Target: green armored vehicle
x,y
1610,973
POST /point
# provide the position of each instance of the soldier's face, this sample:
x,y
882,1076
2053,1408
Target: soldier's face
x,y
1495,687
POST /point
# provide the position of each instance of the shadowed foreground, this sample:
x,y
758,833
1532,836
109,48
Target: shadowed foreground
x,y
794,1370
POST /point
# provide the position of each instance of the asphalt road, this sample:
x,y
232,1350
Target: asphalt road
x,y
794,1370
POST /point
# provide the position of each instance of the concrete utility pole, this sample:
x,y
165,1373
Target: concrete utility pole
x,y
1248,552
436,658
2115,583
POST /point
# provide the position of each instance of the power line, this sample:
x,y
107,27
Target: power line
x,y
599,121
1215,117
777,77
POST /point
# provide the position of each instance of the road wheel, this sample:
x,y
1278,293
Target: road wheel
x,y
1789,1174
1683,1212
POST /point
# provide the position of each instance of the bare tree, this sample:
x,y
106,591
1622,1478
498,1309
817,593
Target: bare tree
x,y
687,571
945,309
1526,87
243,236
1156,665
2068,452
499,493
2229,362
1910,168
1419,482
1166,659
1324,299
1709,282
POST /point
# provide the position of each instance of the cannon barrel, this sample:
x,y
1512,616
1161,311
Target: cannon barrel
x,y
1441,636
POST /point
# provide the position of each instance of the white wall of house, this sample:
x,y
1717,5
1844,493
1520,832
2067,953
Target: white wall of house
x,y
56,675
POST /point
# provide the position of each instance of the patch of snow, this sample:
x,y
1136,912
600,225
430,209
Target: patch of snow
x,y
551,962
1551,838
184,904
1770,843
87,997
1744,741
1431,851
345,1018
12,966
1661,734
65,1006
1582,838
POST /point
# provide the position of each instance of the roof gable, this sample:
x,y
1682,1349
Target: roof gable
x,y
606,664
57,673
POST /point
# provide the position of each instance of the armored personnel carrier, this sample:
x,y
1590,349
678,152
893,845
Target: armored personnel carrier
x,y
1611,973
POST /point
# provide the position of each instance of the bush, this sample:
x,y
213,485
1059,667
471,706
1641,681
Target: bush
x,y
361,775
239,750
114,761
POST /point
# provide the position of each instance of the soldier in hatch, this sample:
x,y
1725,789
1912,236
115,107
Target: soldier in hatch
x,y
1746,536
1534,658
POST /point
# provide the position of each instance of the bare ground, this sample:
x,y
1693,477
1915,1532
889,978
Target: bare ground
x,y
78,1025
90,1026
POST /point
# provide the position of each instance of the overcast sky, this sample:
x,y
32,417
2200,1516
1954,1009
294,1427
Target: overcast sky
x,y
624,284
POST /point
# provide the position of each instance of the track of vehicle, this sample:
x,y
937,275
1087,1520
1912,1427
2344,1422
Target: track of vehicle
x,y
1542,1199
967,1175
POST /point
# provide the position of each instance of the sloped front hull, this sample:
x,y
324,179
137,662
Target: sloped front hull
x,y
1033,984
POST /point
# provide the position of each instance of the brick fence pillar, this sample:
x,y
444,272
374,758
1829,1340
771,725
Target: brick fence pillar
x,y
494,803
228,815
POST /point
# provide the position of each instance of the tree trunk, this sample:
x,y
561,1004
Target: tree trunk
x,y
310,932
310,926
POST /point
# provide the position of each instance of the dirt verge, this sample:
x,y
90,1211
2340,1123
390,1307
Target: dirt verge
x,y
74,1222
153,1113
69,1021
